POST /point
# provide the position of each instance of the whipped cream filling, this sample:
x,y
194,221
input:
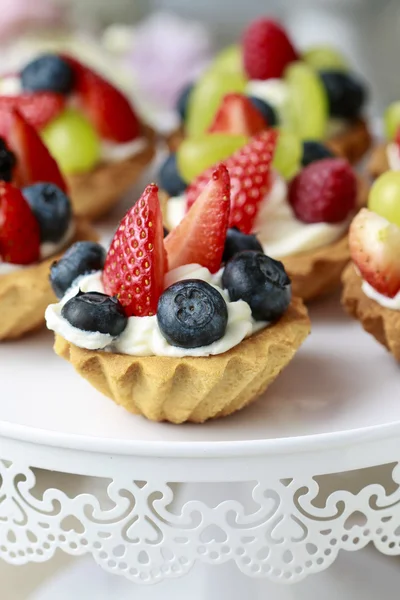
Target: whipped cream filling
x,y
142,336
385,301
393,156
276,226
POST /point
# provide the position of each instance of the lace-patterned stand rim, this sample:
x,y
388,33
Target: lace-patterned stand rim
x,y
278,489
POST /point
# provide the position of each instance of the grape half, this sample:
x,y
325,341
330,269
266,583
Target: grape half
x,y
384,197
288,154
391,120
325,58
229,60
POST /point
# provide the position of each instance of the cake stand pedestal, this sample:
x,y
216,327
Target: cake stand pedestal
x,y
269,495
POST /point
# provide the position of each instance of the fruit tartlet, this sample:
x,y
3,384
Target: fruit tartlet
x,y
386,155
302,221
88,125
310,93
186,328
36,223
371,283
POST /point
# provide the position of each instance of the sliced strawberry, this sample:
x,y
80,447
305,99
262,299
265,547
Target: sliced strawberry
x,y
19,230
397,138
34,162
237,115
37,109
375,250
136,261
200,236
250,172
106,107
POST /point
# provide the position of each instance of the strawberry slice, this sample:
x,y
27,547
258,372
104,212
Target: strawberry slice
x,y
37,109
375,250
250,172
19,230
136,261
105,106
237,115
200,236
34,162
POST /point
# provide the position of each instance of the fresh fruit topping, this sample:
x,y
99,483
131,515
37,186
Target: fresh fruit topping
x,y
274,92
229,60
238,116
37,109
346,95
95,312
268,112
267,49
34,161
236,241
52,209
200,236
206,97
308,102
7,162
287,157
169,177
192,314
106,107
73,141
48,72
19,230
80,259
325,58
260,281
375,250
195,155
249,170
136,261
165,231
324,192
313,151
391,120
182,102
384,197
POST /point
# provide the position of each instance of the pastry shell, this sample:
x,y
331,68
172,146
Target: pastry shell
x,y
26,292
378,162
189,388
381,322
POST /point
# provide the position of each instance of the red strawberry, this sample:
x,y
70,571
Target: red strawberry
x,y
249,170
267,50
397,138
200,236
19,230
324,192
375,249
136,261
238,115
34,162
38,109
106,107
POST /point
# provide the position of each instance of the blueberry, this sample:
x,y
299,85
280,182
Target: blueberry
x,y
169,177
260,281
166,232
182,102
346,95
95,312
47,73
236,241
313,151
191,314
81,258
268,112
7,162
52,209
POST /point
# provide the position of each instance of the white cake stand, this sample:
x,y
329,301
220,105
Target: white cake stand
x,y
274,491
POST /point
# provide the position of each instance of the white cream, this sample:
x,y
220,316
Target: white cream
x,y
10,86
392,303
393,156
142,336
113,152
276,226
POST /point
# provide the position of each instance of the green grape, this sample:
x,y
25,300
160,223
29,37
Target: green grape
x,y
384,197
206,98
308,114
229,60
73,142
288,154
325,58
391,120
195,155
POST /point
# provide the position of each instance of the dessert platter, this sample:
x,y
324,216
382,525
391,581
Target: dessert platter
x,y
219,372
